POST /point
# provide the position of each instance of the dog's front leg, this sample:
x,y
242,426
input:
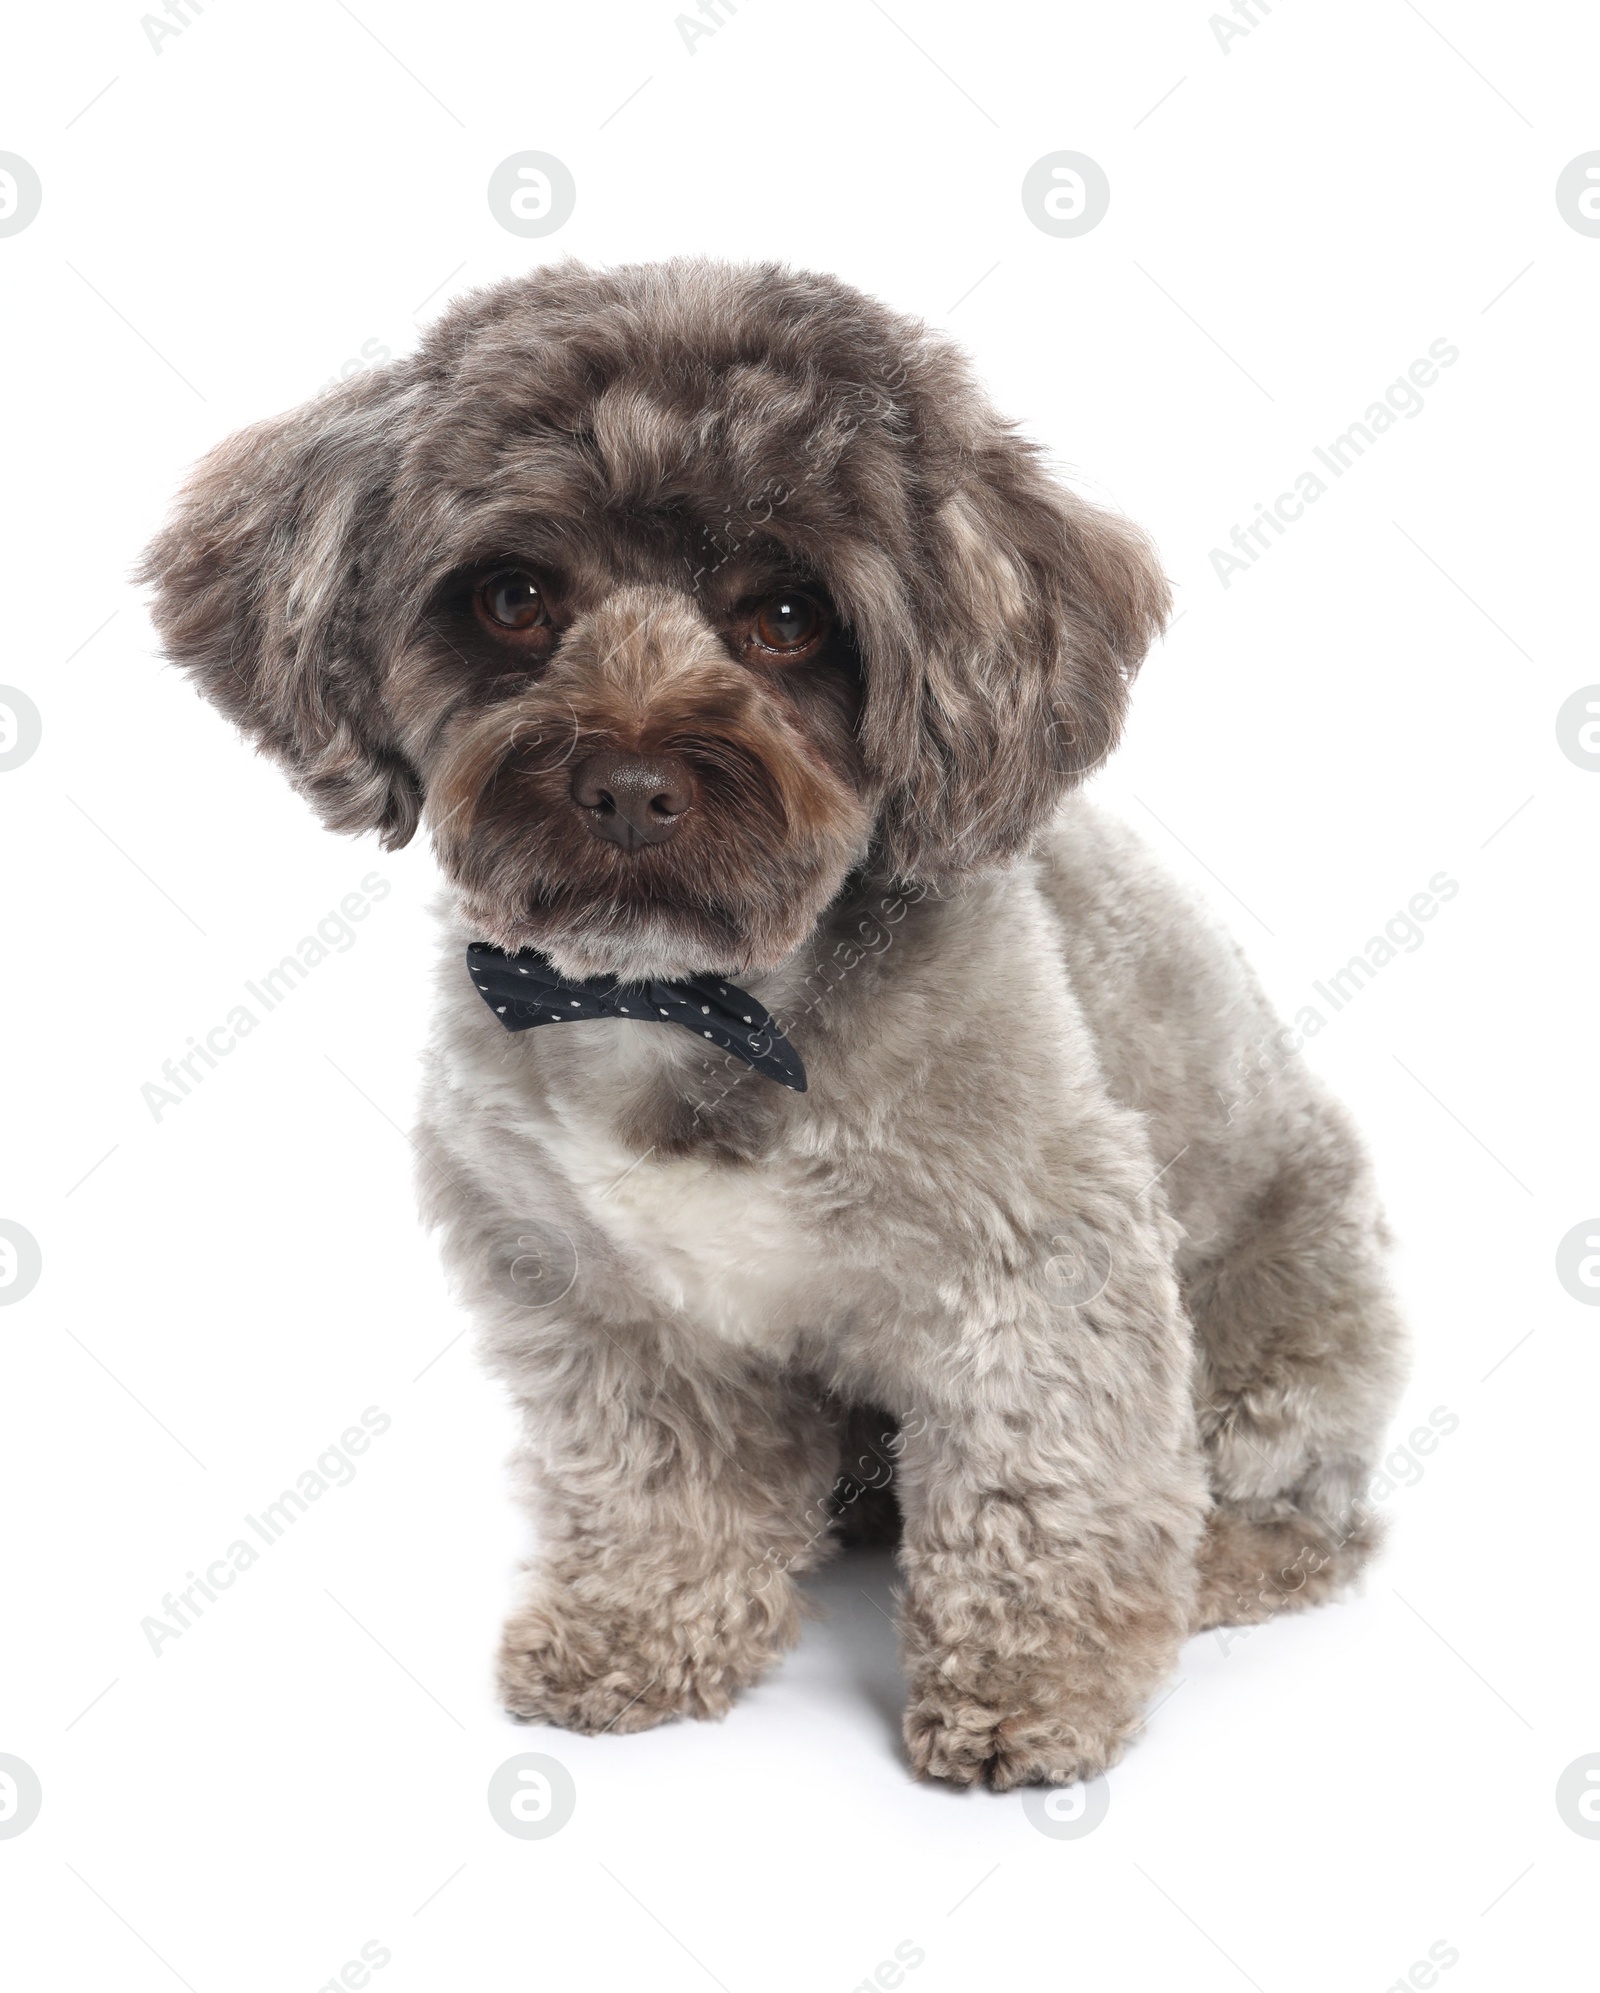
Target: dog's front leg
x,y
674,1506
1053,1501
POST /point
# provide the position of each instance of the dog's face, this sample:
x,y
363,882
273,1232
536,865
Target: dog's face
x,y
666,597
638,742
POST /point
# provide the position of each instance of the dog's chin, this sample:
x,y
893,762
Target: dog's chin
x,y
660,952
645,944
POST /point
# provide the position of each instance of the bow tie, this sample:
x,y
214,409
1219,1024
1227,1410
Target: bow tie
x,y
526,989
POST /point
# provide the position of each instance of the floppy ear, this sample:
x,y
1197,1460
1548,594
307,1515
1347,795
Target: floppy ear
x,y
1028,613
259,580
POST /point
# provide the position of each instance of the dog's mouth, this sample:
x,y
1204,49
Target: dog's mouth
x,y
688,860
697,829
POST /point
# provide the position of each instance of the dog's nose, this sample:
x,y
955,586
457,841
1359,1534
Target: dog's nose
x,y
633,799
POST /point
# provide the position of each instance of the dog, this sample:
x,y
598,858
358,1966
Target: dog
x,y
884,1160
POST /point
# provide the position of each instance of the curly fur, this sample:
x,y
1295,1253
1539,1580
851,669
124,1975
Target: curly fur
x,y
1014,1278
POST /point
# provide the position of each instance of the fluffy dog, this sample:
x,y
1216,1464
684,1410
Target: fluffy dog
x,y
722,634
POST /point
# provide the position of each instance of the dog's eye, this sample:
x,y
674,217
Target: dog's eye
x,y
788,623
511,599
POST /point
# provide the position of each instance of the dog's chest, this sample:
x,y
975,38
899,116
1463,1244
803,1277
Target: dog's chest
x,y
736,1249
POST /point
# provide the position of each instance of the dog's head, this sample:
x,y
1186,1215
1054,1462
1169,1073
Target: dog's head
x,y
666,597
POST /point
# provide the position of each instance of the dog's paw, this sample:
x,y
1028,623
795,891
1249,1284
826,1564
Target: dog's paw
x,y
1003,1694
968,1739
618,1672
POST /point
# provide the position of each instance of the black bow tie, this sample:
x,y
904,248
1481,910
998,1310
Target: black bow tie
x,y
526,989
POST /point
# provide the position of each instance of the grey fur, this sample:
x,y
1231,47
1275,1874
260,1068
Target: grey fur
x,y
1128,1331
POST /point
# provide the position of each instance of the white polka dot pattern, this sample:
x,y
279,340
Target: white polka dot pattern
x,y
526,989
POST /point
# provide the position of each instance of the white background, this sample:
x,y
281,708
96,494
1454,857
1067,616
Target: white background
x,y
224,227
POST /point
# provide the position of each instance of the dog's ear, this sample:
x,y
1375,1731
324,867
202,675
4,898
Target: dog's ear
x,y
260,582
1026,613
